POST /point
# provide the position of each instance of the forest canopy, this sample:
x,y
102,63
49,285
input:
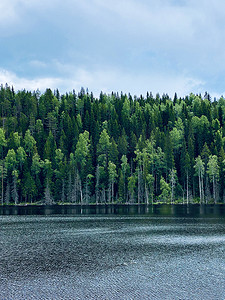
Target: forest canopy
x,y
76,148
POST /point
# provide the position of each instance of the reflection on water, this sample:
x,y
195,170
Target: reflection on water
x,y
146,256
115,209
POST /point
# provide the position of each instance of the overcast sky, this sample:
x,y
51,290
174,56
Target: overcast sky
x,y
134,46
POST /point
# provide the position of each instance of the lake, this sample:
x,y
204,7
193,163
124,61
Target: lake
x,y
112,252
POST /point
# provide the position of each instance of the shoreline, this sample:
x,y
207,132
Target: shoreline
x,y
108,204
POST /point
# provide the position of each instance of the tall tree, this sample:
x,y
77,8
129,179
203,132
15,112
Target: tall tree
x,y
213,171
29,142
173,180
112,178
199,168
2,141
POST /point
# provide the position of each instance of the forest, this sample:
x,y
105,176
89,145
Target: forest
x,y
117,148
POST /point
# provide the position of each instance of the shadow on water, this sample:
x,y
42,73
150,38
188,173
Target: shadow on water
x,y
118,209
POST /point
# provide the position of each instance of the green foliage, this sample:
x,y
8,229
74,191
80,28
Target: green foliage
x,y
212,167
165,190
112,172
199,166
103,148
37,164
10,160
83,149
21,157
29,142
2,139
29,189
81,154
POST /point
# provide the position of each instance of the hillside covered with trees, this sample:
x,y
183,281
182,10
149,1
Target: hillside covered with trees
x,y
74,148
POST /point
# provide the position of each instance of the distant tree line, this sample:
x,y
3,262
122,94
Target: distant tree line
x,y
75,148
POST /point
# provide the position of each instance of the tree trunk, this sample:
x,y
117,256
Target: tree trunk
x,y
81,192
112,191
103,196
200,187
15,194
203,196
146,194
97,185
2,187
109,192
139,186
187,187
63,191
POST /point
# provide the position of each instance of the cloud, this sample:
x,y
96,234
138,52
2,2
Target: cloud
x,y
8,13
37,64
106,80
187,36
20,83
129,45
19,16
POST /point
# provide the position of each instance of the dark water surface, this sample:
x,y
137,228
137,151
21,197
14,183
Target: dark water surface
x,y
164,253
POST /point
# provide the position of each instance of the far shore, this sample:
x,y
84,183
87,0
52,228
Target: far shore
x,y
107,204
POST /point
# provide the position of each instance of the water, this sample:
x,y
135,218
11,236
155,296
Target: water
x,y
161,254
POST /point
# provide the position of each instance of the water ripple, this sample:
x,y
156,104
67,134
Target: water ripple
x,y
111,258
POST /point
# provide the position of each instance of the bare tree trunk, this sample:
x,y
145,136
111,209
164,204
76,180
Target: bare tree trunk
x,y
15,194
103,196
69,189
140,195
87,193
217,191
2,187
172,195
81,191
146,194
214,189
112,191
74,190
207,192
7,193
109,193
187,187
47,197
172,186
183,195
124,187
63,191
200,187
139,186
97,185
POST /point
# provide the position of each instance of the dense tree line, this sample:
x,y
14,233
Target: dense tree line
x,y
75,148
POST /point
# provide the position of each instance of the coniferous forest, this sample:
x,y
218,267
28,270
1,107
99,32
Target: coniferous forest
x,y
75,148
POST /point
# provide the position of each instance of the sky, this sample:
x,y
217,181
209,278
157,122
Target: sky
x,y
129,46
